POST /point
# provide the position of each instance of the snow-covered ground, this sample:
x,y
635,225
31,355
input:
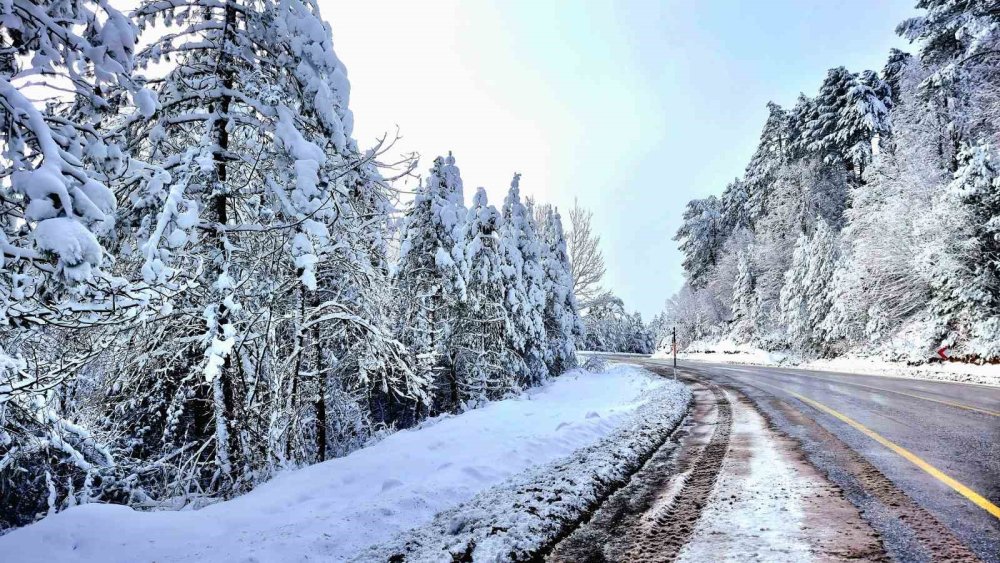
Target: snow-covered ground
x,y
331,511
725,351
519,518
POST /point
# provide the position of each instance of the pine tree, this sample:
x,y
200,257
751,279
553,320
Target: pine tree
x,y
257,193
701,237
745,311
806,298
950,29
966,281
57,211
794,304
893,71
56,202
865,123
526,282
823,260
850,113
610,328
772,150
485,363
429,278
563,325
735,208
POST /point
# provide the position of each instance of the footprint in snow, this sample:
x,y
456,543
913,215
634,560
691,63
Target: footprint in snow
x,y
474,473
593,414
561,426
390,484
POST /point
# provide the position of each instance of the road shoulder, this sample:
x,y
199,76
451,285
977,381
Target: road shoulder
x,y
769,504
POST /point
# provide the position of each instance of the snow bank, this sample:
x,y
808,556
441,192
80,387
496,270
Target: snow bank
x,y
939,371
725,351
331,511
521,517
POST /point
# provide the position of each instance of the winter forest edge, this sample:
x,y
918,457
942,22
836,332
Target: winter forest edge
x,y
868,218
205,280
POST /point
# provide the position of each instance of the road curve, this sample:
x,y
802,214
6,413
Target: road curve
x,y
920,459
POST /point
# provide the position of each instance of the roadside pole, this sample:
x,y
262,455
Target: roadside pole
x,y
673,346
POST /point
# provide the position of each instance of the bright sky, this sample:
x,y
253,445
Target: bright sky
x,y
632,107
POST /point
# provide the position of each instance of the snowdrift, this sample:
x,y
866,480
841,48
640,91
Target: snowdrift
x,y
726,351
337,509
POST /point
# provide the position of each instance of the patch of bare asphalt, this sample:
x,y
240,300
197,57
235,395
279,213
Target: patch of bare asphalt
x,y
914,533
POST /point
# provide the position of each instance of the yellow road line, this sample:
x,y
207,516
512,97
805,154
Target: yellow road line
x,y
943,402
968,493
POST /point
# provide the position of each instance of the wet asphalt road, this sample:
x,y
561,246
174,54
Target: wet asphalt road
x,y
954,427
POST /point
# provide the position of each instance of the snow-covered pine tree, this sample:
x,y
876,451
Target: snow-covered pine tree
x,y
966,282
366,357
485,364
793,298
800,119
255,189
65,68
563,325
952,29
700,236
772,150
745,310
610,328
806,297
959,41
55,202
526,285
894,70
823,261
865,125
821,129
734,207
851,112
429,279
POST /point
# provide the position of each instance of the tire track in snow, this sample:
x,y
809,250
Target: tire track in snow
x,y
652,516
663,537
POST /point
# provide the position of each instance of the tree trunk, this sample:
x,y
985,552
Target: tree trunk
x,y
321,440
223,387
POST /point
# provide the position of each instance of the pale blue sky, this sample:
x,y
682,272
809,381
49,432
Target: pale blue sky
x,y
632,107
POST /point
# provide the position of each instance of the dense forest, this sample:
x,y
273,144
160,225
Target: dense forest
x,y
868,218
204,279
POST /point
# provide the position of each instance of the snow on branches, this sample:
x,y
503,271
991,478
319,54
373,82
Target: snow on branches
x,y
867,216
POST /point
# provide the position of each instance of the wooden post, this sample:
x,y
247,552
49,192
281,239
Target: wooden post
x,y
673,345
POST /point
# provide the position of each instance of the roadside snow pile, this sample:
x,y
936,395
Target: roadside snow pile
x,y
526,514
726,351
986,374
331,511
